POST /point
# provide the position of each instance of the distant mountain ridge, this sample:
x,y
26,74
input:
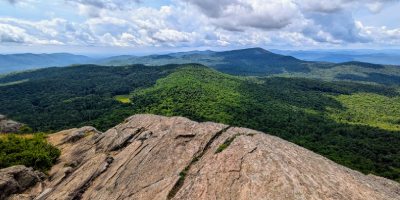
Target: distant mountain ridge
x,y
19,62
252,61
243,62
260,62
384,57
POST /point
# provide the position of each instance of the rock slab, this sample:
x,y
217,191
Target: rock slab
x,y
9,126
17,179
154,157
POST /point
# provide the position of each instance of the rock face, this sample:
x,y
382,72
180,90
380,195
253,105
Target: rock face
x,y
9,126
17,179
154,157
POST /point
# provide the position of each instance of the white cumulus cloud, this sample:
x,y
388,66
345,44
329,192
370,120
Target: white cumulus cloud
x,y
196,23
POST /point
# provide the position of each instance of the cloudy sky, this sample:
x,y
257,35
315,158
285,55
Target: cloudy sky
x,y
166,25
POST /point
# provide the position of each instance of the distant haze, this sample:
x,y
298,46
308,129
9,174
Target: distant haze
x,y
389,57
27,61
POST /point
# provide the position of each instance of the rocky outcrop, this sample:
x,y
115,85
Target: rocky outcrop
x,y
154,157
9,126
17,179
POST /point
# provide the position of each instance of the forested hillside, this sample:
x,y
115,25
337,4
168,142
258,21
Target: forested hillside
x,y
60,98
326,117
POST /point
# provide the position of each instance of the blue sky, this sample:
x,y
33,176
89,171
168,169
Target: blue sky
x,y
141,26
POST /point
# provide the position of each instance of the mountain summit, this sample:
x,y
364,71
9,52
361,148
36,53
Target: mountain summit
x,y
154,157
252,61
258,61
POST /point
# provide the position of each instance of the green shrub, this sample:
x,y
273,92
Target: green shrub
x,y
221,148
25,129
226,144
33,152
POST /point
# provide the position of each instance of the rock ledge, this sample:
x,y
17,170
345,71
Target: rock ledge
x,y
154,157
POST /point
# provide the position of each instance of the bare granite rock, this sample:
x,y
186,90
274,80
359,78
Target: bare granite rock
x,y
17,179
154,157
9,126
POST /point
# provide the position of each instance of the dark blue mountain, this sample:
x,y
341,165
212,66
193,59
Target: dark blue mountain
x,y
19,62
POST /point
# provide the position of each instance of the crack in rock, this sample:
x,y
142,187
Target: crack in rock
x,y
178,184
78,194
